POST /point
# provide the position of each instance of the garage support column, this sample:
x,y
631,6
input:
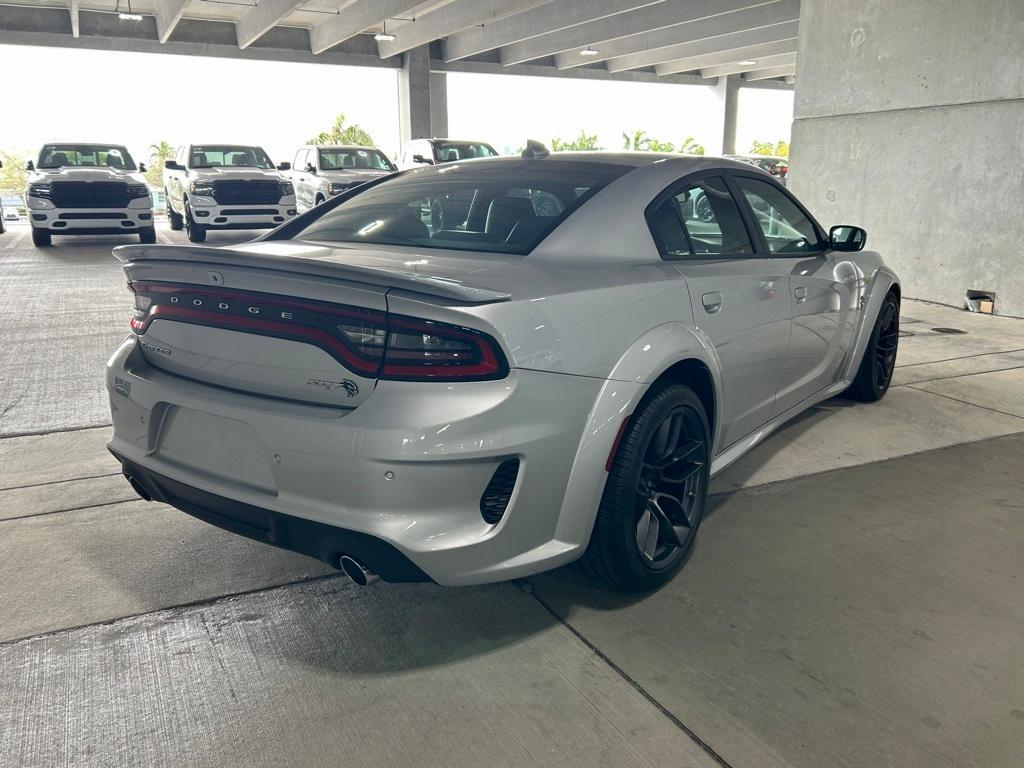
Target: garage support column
x,y
422,97
909,121
729,92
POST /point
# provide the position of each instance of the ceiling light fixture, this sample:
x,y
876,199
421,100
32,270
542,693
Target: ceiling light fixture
x,y
588,51
384,36
747,63
129,16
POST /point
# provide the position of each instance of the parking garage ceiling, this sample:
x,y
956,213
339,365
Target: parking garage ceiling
x,y
692,41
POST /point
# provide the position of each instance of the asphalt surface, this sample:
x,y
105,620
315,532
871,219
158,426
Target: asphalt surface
x,y
854,598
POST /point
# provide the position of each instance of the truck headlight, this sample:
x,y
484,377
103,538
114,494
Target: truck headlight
x,y
287,189
137,191
201,188
337,189
40,189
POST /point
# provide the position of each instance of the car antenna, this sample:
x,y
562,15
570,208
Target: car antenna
x,y
534,150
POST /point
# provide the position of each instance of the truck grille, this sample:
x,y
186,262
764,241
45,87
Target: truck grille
x,y
90,194
246,192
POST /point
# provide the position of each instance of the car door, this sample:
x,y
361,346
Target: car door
x,y
825,288
301,180
740,299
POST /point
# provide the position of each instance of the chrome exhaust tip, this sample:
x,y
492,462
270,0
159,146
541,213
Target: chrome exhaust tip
x,y
357,573
139,489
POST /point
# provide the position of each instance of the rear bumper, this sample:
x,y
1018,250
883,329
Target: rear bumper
x,y
407,468
324,542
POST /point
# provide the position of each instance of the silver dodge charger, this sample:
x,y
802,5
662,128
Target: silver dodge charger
x,y
482,370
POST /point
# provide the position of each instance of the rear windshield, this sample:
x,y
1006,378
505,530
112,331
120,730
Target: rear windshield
x,y
344,159
85,156
450,151
228,156
497,207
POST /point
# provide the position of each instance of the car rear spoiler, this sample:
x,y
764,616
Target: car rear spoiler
x,y
381,277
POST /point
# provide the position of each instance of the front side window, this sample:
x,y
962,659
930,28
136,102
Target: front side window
x,y
85,156
702,220
786,228
229,156
348,159
508,208
450,151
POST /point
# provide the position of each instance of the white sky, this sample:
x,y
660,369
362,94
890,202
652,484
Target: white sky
x,y
279,105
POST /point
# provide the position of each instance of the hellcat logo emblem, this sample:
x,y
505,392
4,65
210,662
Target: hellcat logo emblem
x,y
350,387
123,387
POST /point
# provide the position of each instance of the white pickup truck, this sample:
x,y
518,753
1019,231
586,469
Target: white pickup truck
x,y
225,186
319,173
87,189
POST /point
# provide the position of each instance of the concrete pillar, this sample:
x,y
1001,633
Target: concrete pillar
x,y
909,121
729,93
422,97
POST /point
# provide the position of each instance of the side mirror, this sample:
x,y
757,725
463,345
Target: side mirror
x,y
421,159
30,166
284,167
845,237
172,165
310,168
142,167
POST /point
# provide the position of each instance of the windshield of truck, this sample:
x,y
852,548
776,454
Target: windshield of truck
x,y
85,156
348,159
450,151
229,156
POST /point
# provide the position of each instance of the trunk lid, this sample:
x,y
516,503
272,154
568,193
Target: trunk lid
x,y
280,319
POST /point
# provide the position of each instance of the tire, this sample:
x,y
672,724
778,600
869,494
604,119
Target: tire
x,y
147,235
875,372
176,219
615,555
41,237
196,232
319,200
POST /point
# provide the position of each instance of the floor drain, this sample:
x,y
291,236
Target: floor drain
x,y
948,330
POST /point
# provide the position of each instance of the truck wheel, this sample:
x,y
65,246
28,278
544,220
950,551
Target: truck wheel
x,y
196,232
147,235
319,199
41,237
177,223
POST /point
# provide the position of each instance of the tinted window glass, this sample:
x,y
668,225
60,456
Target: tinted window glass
x,y
668,231
503,207
785,226
711,218
216,156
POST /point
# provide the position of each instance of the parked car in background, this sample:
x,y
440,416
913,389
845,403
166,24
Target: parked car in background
x,y
87,189
2,215
225,186
557,378
436,151
320,172
776,166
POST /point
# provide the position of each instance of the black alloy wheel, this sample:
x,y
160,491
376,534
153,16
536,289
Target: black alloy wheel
x,y
655,494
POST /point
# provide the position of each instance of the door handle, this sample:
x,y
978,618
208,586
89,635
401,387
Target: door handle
x,y
800,294
712,302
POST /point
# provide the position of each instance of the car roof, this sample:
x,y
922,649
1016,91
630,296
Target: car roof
x,y
339,146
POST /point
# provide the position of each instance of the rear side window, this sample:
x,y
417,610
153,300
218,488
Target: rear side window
x,y
786,228
503,207
700,220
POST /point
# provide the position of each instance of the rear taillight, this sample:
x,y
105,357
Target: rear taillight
x,y
370,343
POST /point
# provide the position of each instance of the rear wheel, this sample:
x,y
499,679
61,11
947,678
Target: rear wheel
x,y
879,361
147,235
196,232
319,199
177,222
655,494
41,237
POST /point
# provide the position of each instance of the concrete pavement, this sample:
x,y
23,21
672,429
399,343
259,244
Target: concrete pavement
x,y
853,598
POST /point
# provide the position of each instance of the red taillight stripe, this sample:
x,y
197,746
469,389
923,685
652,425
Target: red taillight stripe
x,y
407,364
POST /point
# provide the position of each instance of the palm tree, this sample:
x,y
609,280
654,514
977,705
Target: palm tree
x,y
158,154
637,141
